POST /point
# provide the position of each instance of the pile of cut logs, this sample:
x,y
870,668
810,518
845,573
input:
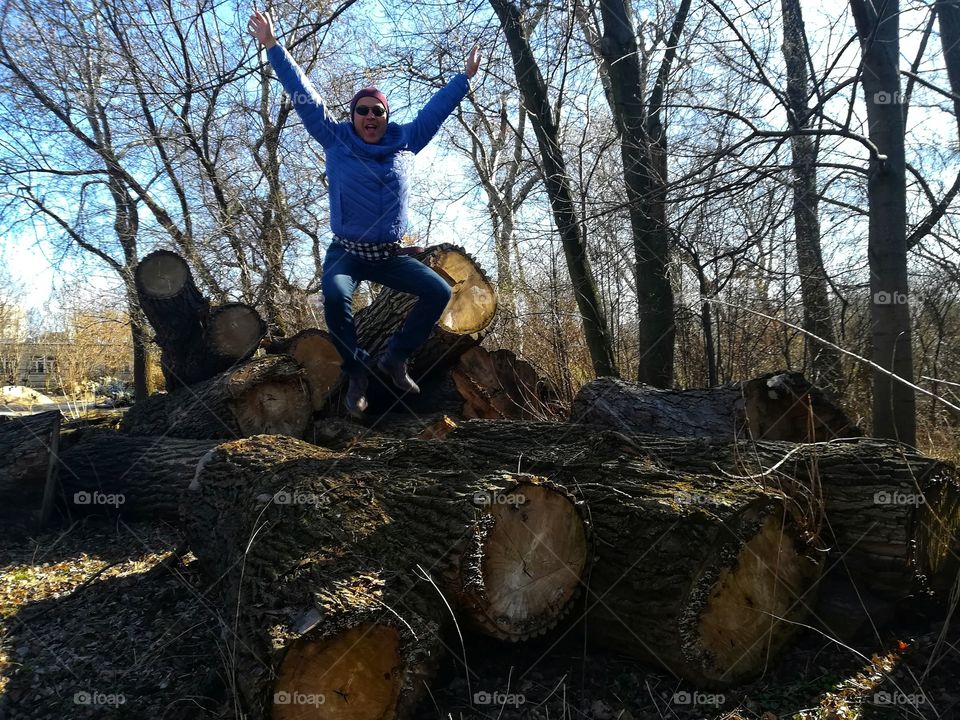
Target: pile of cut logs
x,y
691,529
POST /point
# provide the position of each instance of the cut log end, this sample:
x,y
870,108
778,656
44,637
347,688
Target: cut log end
x,y
355,675
748,612
534,551
279,407
315,353
473,304
235,330
163,275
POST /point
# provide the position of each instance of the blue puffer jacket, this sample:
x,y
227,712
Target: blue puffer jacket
x,y
369,183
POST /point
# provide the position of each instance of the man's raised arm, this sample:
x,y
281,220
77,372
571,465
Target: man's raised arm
x,y
306,100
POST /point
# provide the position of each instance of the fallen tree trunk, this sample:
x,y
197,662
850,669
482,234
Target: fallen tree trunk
x,y
776,406
703,575
196,342
326,559
265,395
891,518
138,477
28,464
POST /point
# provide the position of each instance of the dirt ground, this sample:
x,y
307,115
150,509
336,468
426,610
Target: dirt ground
x,y
94,625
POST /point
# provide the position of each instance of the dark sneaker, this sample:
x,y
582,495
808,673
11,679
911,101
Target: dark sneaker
x,y
397,372
356,399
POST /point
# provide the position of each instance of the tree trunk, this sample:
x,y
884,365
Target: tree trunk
x,y
323,560
139,477
894,404
265,395
196,343
817,318
702,575
533,90
891,519
28,462
776,406
643,147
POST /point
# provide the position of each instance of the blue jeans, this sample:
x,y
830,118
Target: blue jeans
x,y
341,274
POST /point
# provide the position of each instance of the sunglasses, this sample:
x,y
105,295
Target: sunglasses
x,y
363,110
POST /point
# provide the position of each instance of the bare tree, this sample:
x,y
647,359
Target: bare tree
x,y
533,90
894,404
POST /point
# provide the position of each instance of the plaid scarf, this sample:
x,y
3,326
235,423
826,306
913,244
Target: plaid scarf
x,y
368,250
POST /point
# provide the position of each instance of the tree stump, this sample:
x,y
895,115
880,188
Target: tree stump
x,y
776,406
465,322
324,559
265,395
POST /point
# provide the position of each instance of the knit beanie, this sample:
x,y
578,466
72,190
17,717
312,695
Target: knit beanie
x,y
369,92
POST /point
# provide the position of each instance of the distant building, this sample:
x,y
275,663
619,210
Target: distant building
x,y
37,364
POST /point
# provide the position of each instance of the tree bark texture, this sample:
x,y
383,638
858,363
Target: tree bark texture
x,y
27,459
701,574
776,406
135,476
533,90
315,552
265,395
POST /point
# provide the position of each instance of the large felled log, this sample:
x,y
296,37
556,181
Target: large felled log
x,y
28,452
325,557
891,516
703,575
139,477
776,406
195,342
265,395
499,385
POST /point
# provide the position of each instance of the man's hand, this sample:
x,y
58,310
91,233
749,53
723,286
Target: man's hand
x,y
260,25
473,62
